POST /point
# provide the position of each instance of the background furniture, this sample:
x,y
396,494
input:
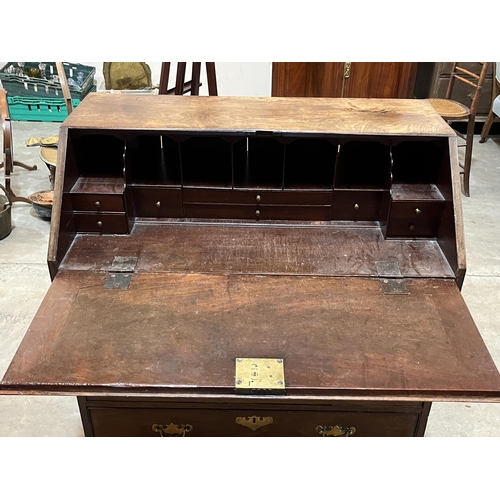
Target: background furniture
x,y
8,161
315,232
343,79
453,111
432,81
192,86
495,104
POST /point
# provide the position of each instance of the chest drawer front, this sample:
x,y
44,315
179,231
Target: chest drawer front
x,y
356,205
97,202
251,197
157,202
257,212
106,223
126,422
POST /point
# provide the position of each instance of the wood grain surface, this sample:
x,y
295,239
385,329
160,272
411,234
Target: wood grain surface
x,y
248,114
325,249
182,333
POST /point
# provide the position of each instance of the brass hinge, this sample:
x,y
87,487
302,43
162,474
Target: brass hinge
x,y
391,278
120,273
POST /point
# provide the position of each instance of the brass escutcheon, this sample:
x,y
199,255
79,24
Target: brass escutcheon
x,y
172,430
254,422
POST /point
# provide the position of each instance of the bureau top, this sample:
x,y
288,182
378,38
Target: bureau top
x,y
250,114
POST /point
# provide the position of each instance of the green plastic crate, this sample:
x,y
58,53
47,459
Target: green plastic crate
x,y
27,109
44,88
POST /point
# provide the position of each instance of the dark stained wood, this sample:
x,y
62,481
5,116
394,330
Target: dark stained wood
x,y
338,79
192,327
332,249
261,228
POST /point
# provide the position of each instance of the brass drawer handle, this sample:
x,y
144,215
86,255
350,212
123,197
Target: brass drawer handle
x,y
356,206
98,204
258,198
412,227
99,223
158,204
418,211
335,431
254,422
172,430
257,213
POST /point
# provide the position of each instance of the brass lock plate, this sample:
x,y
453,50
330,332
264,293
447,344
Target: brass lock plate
x,y
260,376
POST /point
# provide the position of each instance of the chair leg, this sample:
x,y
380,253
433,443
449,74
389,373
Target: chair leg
x,y
485,131
468,155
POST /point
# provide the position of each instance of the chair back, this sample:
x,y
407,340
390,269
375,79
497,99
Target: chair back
x,y
470,78
192,86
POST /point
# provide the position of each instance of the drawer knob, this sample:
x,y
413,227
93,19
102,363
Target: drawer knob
x,y
97,204
172,430
418,211
254,422
158,204
335,431
356,206
257,213
412,227
99,223
258,197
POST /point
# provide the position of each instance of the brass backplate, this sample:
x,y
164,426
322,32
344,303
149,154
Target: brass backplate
x,y
260,376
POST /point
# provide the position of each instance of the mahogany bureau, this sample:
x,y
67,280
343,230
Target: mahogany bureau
x,y
316,241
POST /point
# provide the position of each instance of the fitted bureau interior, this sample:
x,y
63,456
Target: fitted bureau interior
x,y
375,199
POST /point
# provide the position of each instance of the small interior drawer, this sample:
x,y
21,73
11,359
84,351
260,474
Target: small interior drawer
x,y
412,227
95,222
157,202
124,422
97,202
257,212
356,205
251,197
416,210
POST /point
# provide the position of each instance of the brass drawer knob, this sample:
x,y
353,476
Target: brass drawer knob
x,y
258,198
257,213
418,211
98,204
356,206
158,204
99,223
412,227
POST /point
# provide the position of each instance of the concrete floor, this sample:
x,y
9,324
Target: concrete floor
x,y
24,279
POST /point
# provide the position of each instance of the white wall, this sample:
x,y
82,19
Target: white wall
x,y
233,78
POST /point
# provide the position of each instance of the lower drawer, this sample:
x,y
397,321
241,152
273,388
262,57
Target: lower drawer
x,y
144,422
257,212
412,228
99,222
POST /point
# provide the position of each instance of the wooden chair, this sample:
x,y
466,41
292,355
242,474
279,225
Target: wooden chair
x,y
453,111
193,86
8,161
495,104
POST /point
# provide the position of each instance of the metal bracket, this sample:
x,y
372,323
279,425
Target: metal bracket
x,y
391,278
120,273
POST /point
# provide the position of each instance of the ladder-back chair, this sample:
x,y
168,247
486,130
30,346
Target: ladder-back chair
x,y
453,111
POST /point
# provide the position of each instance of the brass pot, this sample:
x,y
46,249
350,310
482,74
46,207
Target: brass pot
x,y
5,214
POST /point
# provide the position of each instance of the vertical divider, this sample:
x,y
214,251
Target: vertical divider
x,y
284,168
182,177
